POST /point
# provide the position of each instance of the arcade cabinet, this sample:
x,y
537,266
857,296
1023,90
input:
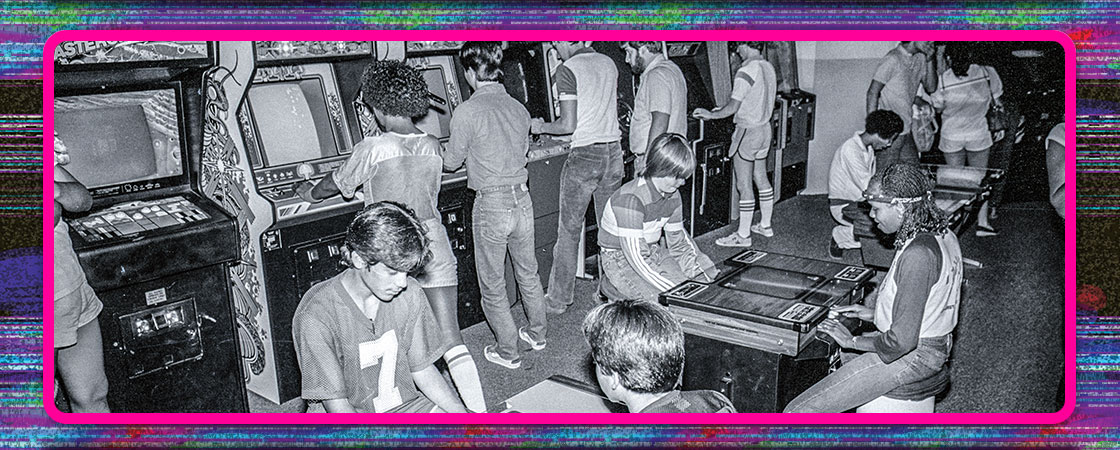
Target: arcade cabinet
x,y
707,195
156,251
752,333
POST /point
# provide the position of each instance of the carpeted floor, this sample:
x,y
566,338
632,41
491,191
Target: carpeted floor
x,y
1007,355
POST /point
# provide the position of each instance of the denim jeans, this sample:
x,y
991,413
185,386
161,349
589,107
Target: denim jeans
x,y
621,280
866,378
503,221
590,171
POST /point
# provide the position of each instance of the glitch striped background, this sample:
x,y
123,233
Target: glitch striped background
x,y
25,26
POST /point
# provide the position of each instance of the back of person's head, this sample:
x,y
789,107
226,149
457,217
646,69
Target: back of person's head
x,y
484,57
884,123
395,89
651,46
910,186
669,156
639,341
757,45
960,57
389,233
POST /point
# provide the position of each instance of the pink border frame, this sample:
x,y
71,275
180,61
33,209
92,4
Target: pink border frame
x,y
568,419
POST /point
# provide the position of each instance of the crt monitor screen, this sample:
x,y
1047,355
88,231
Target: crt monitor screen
x,y
438,120
122,137
292,122
773,282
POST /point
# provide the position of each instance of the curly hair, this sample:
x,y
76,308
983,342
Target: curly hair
x,y
884,123
638,340
395,89
902,180
389,233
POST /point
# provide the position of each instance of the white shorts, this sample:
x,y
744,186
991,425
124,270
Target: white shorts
x,y
973,145
442,269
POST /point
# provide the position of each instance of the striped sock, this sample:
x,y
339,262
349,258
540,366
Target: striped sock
x,y
465,375
746,216
766,205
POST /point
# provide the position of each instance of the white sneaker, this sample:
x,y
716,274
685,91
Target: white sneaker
x,y
491,354
757,229
734,240
524,335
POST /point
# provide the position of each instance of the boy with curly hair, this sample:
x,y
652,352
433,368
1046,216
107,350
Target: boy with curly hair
x,y
403,164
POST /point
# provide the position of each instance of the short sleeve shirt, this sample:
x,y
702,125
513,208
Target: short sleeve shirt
x,y
852,167
702,401
638,210
343,354
900,72
755,87
661,89
964,102
397,167
591,79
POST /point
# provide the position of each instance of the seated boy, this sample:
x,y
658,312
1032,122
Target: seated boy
x,y
852,167
638,349
366,339
635,264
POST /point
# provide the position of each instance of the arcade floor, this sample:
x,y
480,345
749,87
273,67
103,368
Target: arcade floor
x,y
1007,355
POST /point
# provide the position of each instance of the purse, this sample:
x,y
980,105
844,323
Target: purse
x,y
997,115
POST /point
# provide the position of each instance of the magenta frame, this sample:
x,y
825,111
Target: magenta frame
x,y
563,419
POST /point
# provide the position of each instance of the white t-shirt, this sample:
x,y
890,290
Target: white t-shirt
x,y
755,87
661,89
964,102
853,165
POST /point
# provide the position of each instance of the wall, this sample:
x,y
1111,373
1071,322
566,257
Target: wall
x,y
839,74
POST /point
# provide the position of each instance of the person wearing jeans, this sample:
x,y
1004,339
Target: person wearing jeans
x,y
490,131
587,84
916,308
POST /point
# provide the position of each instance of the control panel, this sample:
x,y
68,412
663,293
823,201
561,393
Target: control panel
x,y
134,217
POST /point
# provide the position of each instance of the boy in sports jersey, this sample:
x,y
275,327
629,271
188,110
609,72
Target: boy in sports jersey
x,y
403,164
638,349
366,339
752,102
635,264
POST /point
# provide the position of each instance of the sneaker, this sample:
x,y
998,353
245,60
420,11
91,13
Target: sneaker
x,y
552,310
757,229
524,335
492,355
986,231
734,240
834,250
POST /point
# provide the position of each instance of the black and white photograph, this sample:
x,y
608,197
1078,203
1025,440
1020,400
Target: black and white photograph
x,y
558,226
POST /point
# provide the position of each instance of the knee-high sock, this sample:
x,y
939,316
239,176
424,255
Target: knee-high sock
x,y
465,375
746,216
766,205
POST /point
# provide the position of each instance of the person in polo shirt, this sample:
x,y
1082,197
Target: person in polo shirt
x,y
587,84
661,103
635,264
490,131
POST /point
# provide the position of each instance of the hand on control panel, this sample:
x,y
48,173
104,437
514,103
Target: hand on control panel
x,y
855,311
535,125
303,190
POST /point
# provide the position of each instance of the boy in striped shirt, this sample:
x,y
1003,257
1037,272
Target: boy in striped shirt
x,y
635,264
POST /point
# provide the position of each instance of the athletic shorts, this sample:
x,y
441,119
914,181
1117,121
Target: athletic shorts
x,y
751,143
972,145
442,269
73,311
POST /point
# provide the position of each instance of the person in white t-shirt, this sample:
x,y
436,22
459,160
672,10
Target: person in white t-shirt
x,y
964,93
752,102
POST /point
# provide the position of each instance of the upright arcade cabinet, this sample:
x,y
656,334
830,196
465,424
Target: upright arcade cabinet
x,y
156,251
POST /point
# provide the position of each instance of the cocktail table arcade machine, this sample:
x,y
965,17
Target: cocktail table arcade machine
x,y
959,191
752,333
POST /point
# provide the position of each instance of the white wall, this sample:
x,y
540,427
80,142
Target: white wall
x,y
839,74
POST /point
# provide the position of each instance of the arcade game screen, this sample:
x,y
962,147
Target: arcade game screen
x,y
438,120
292,122
772,282
121,137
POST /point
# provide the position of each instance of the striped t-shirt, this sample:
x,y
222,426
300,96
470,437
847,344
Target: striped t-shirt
x,y
638,210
